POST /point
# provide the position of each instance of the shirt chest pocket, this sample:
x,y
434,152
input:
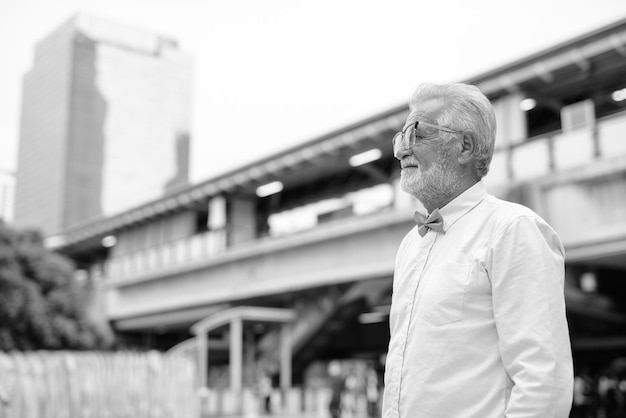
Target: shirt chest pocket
x,y
444,292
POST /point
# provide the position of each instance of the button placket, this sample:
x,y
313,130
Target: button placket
x,y
418,270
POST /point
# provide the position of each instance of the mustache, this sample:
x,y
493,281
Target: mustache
x,y
408,163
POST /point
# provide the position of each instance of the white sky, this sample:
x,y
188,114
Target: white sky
x,y
270,74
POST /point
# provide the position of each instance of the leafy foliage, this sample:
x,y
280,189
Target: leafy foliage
x,y
41,305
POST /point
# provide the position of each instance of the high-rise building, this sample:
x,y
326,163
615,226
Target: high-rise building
x,y
104,126
7,194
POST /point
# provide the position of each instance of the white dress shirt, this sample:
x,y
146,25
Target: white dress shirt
x,y
478,326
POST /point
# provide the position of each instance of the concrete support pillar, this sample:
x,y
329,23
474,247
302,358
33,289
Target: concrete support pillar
x,y
217,213
248,358
512,127
241,220
285,357
203,358
236,354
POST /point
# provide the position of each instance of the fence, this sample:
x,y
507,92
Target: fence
x,y
96,385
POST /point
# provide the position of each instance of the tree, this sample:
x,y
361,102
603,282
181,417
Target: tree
x,y
41,304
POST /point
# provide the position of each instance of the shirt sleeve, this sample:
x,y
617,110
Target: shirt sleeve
x,y
526,269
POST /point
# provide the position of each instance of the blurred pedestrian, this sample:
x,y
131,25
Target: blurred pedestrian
x,y
350,397
372,392
265,392
608,395
337,387
583,396
478,325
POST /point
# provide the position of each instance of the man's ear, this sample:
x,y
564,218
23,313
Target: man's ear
x,y
468,148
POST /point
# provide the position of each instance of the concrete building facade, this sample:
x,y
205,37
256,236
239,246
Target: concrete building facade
x,y
104,125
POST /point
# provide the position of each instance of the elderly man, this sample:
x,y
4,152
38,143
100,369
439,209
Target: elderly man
x,y
478,326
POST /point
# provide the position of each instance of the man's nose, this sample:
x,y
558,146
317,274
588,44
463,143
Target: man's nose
x,y
402,152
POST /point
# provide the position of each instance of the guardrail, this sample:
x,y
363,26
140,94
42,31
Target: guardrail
x,y
45,384
559,151
194,248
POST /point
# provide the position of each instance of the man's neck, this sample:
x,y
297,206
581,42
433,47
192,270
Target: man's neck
x,y
431,206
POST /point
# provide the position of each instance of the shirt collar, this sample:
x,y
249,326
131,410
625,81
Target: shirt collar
x,y
462,204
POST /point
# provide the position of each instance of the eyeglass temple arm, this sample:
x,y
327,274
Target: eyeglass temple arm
x,y
441,128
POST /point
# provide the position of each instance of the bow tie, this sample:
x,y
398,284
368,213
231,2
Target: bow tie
x,y
434,222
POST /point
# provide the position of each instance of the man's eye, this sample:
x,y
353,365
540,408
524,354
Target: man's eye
x,y
424,135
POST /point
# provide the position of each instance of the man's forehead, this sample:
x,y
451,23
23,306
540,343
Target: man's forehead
x,y
427,110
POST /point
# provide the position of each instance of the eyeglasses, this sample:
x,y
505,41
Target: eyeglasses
x,y
408,136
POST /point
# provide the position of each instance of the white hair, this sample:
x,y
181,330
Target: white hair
x,y
466,109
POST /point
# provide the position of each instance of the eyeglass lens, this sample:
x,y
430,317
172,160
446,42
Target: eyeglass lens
x,y
404,140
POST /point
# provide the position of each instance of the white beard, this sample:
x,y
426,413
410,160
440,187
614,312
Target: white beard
x,y
435,185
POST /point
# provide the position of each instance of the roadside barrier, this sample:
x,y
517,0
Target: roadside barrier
x,y
64,384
